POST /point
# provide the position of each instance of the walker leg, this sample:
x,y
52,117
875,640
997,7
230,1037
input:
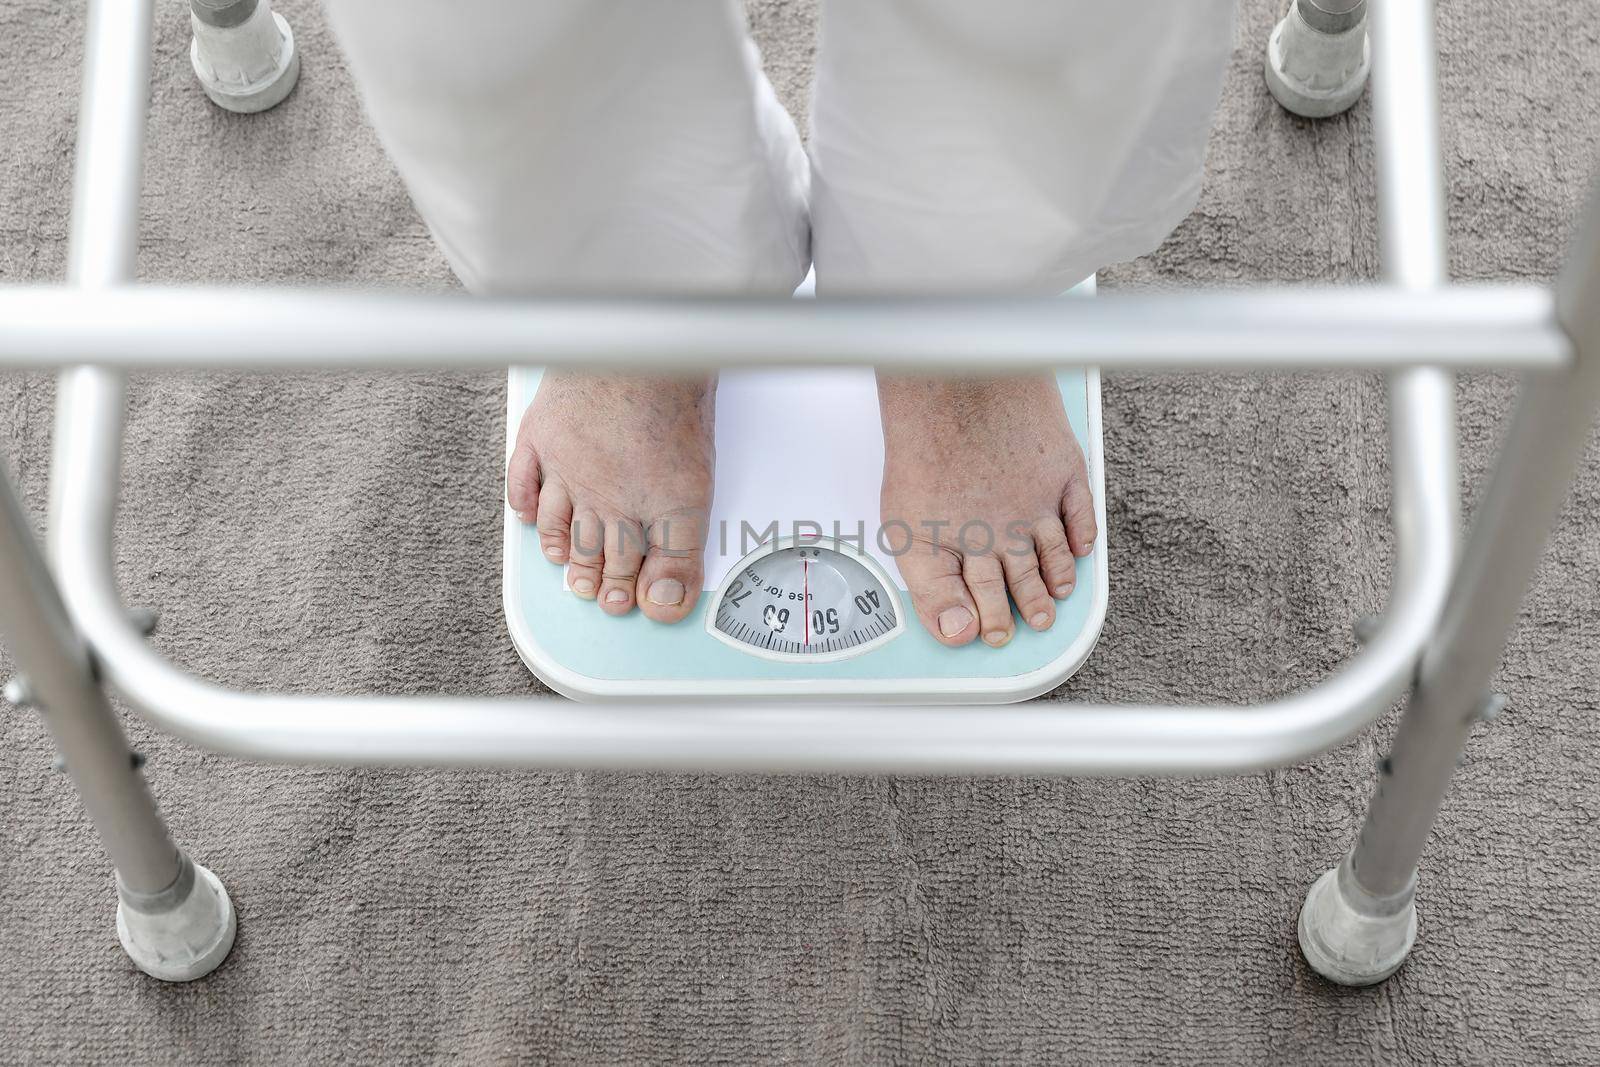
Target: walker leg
x,y
1318,56
1359,921
173,917
243,53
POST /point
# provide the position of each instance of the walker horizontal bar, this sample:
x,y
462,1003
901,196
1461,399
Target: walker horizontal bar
x,y
1044,737
154,327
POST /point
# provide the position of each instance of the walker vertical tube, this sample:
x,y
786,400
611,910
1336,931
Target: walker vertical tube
x,y
1357,930
1359,920
173,917
57,678
104,234
1538,462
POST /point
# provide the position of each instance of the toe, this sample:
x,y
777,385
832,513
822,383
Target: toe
x,y
522,475
1077,512
1027,587
670,577
625,547
940,597
986,581
1057,564
555,521
587,556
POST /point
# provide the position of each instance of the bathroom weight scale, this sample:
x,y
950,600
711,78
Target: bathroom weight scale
x,y
789,609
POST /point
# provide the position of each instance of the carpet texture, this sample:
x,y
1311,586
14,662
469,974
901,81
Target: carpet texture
x,y
341,534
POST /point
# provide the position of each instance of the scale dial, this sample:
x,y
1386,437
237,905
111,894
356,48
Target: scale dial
x,y
808,601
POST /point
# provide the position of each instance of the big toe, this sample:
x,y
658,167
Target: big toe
x,y
1077,513
555,522
671,577
522,476
669,585
939,594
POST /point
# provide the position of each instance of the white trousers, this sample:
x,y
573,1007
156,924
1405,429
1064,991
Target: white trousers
x,y
560,146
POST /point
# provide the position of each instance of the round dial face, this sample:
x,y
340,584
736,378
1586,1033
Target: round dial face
x,y
805,601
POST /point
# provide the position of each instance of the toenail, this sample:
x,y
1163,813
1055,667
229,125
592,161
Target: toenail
x,y
953,620
997,637
553,553
583,585
1083,550
1063,591
1040,621
525,516
616,596
666,592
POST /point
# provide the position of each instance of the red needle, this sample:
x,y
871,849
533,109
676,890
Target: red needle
x,y
805,594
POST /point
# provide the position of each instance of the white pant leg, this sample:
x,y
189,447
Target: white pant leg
x,y
1006,144
586,145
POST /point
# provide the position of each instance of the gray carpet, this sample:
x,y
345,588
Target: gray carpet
x,y
340,533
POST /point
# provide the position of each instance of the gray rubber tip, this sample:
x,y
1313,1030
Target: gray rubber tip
x,y
1314,74
239,93
1351,939
181,933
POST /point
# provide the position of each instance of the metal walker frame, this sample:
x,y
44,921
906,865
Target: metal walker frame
x,y
1440,638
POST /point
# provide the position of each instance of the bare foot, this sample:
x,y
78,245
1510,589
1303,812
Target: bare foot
x,y
616,471
985,494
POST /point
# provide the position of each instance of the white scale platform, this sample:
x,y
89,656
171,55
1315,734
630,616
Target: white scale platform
x,y
583,653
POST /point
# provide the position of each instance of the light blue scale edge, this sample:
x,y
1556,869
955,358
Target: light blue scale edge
x,y
578,636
